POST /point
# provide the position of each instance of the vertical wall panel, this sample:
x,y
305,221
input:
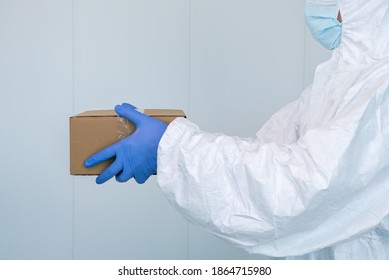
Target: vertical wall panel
x,y
35,103
134,51
247,61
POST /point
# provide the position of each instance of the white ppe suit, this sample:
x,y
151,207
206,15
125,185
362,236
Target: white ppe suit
x,y
314,182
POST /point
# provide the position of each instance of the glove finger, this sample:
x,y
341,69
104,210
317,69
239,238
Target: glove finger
x,y
129,106
108,173
101,156
125,175
131,114
141,179
140,176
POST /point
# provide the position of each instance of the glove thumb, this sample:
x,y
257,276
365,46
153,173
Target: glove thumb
x,y
129,112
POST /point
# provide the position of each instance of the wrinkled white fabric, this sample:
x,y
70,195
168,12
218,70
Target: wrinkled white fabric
x,y
314,182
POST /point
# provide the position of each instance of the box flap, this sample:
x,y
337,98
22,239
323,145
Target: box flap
x,y
97,113
149,112
164,112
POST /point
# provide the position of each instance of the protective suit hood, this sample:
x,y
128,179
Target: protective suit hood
x,y
365,30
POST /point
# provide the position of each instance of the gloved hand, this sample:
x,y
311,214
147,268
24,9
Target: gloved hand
x,y
136,155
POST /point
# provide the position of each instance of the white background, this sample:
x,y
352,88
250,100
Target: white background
x,y
229,64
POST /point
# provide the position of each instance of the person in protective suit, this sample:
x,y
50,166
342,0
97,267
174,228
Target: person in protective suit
x,y
314,182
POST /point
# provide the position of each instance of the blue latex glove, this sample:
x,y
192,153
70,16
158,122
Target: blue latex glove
x,y
136,155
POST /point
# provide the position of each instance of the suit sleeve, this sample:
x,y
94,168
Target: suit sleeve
x,y
282,199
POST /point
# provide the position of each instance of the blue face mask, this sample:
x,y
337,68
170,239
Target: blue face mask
x,y
321,19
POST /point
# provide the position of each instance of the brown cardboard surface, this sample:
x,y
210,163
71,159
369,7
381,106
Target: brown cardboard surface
x,y
92,131
164,115
97,113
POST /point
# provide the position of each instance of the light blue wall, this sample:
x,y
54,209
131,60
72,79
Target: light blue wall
x,y
229,64
36,196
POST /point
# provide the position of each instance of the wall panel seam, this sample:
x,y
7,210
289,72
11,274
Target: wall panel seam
x,y
189,99
73,109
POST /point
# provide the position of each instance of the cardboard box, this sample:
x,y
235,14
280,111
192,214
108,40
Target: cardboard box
x,y
92,131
